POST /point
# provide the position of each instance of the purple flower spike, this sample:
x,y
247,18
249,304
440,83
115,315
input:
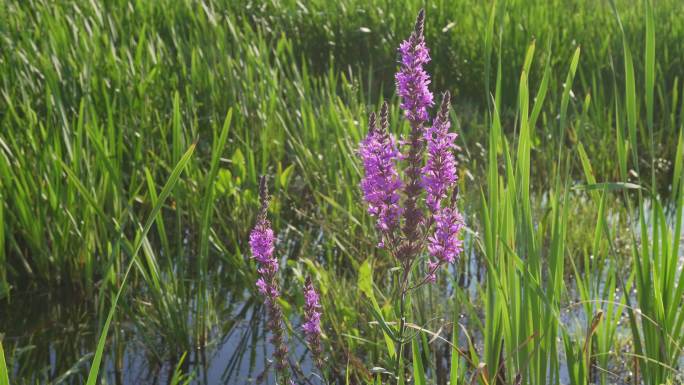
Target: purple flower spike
x,y
262,245
312,326
261,242
439,173
381,184
412,80
445,244
312,322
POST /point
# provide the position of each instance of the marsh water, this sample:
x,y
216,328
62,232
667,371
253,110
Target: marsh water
x,y
50,337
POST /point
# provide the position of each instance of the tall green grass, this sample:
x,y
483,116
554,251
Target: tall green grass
x,y
525,280
99,101
108,81
526,289
657,324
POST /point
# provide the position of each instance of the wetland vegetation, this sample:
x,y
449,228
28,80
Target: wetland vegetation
x,y
133,135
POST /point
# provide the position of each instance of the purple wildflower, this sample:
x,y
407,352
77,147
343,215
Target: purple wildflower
x,y
412,81
262,245
412,86
432,271
261,242
312,324
445,244
439,173
381,183
262,286
268,290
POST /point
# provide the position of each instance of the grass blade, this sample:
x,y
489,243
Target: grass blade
x,y
418,370
4,375
170,183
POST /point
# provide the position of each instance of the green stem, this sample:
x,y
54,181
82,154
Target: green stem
x,y
402,325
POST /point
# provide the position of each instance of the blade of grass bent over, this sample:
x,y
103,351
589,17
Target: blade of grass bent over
x,y
170,183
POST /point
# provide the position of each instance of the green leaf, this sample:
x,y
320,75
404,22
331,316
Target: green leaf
x,y
679,157
455,359
365,280
224,182
238,161
418,370
4,376
285,176
381,321
608,186
209,186
365,284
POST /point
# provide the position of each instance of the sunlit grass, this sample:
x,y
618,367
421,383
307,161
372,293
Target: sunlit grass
x,y
559,105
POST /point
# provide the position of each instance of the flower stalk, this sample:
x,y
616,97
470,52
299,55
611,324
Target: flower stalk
x,y
414,219
412,87
312,323
262,245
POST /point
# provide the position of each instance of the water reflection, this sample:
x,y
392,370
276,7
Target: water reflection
x,y
49,337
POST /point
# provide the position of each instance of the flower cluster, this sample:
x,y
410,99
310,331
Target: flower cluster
x,y
439,173
409,204
445,244
262,246
312,315
381,183
430,225
312,322
261,242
